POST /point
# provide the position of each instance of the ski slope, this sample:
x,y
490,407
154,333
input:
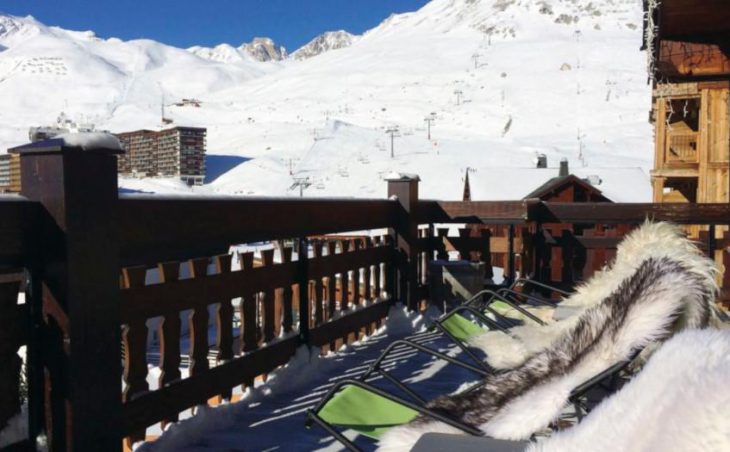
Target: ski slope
x,y
506,79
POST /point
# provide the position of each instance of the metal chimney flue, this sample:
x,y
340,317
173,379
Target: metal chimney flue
x,y
541,161
564,171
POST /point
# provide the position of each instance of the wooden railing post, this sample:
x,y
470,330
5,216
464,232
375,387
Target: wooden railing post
x,y
405,188
80,280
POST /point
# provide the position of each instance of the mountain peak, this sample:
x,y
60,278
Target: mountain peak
x,y
264,49
325,42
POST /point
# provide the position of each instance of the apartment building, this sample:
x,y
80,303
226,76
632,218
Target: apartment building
x,y
176,152
9,173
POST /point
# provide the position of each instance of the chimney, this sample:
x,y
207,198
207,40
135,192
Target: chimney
x,y
541,161
563,167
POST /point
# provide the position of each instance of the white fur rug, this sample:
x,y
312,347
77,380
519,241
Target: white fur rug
x,y
671,289
507,351
679,402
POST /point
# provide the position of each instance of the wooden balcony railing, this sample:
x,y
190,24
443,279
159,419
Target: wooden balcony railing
x,y
153,274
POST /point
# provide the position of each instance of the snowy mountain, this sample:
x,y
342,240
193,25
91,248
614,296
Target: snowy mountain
x,y
331,40
260,49
504,79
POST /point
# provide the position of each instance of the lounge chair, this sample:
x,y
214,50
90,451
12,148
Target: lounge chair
x,y
661,294
651,240
678,270
689,371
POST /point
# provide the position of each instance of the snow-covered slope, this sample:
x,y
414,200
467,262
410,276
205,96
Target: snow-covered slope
x,y
120,85
331,40
505,79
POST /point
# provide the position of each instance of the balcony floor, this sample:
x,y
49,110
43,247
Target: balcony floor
x,y
271,417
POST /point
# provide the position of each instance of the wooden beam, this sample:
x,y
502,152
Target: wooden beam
x,y
694,19
323,334
151,232
487,212
626,213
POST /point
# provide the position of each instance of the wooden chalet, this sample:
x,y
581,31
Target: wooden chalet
x,y
688,43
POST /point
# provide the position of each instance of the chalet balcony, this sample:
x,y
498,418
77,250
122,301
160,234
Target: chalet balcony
x,y
121,290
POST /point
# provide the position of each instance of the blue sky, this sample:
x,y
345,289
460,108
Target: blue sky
x,y
184,23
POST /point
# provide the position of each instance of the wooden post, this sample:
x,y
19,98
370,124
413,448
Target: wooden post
x,y
405,188
78,190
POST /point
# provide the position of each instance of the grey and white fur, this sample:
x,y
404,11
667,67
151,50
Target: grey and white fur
x,y
662,295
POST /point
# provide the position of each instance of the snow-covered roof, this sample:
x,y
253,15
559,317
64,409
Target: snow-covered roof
x,y
617,184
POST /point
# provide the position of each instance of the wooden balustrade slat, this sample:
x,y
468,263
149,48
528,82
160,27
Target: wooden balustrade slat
x,y
198,321
134,340
355,280
366,272
224,321
317,300
376,274
331,283
269,306
345,277
388,272
287,294
248,310
169,334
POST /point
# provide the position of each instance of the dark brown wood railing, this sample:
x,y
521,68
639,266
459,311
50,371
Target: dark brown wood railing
x,y
102,270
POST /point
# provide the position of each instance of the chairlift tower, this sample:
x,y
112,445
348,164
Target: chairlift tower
x,y
393,132
459,94
429,119
302,183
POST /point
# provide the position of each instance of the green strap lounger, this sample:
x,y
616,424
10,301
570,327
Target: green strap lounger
x,y
354,404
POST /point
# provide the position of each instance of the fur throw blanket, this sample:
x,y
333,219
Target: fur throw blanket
x,y
651,240
679,401
664,292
